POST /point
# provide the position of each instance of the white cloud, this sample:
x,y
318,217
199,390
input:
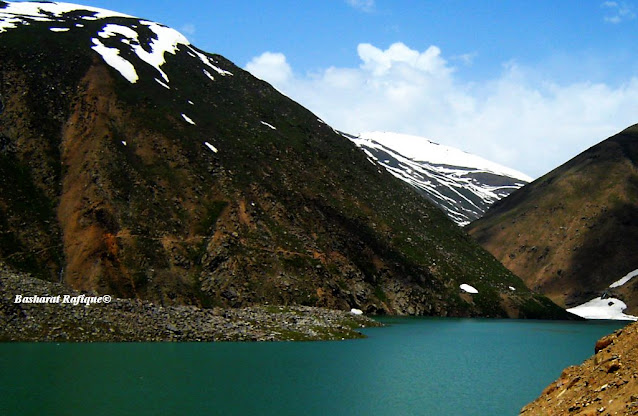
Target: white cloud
x,y
515,119
271,67
619,12
363,5
381,62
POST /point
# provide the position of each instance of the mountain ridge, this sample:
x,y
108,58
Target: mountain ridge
x,y
463,185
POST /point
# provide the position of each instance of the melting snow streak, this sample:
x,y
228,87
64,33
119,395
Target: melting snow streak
x,y
112,57
208,75
211,147
188,120
625,279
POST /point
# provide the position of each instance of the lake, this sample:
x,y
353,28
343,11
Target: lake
x,y
415,366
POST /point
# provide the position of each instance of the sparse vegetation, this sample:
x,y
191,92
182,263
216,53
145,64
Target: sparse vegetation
x,y
295,215
569,233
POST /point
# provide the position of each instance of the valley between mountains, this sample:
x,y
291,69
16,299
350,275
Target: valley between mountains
x,y
212,207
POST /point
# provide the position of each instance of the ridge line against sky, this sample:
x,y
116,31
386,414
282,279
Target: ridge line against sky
x,y
524,84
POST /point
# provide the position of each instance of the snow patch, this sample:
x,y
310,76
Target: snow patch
x,y
356,311
166,41
112,57
59,29
123,142
625,279
220,71
7,23
269,125
599,308
23,13
162,84
207,61
208,75
44,10
512,288
467,288
188,119
211,147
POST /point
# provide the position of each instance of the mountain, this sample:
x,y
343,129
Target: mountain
x,y
134,164
571,234
461,184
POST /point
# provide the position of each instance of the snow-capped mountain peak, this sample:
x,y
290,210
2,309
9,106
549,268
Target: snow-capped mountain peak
x,y
424,150
125,43
462,184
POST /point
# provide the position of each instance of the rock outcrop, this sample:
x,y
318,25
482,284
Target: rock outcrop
x,y
606,384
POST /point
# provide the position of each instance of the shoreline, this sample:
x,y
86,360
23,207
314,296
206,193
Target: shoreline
x,y
134,320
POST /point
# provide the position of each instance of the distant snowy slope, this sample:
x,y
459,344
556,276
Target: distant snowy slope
x,y
462,184
421,149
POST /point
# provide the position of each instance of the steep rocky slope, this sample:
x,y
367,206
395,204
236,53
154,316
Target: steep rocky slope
x,y
571,234
463,185
606,384
134,164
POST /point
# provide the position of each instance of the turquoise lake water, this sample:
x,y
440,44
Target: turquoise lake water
x,y
415,366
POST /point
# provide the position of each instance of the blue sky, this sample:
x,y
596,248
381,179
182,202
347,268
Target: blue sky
x,y
528,84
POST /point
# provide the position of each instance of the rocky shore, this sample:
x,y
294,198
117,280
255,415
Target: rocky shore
x,y
605,384
135,320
